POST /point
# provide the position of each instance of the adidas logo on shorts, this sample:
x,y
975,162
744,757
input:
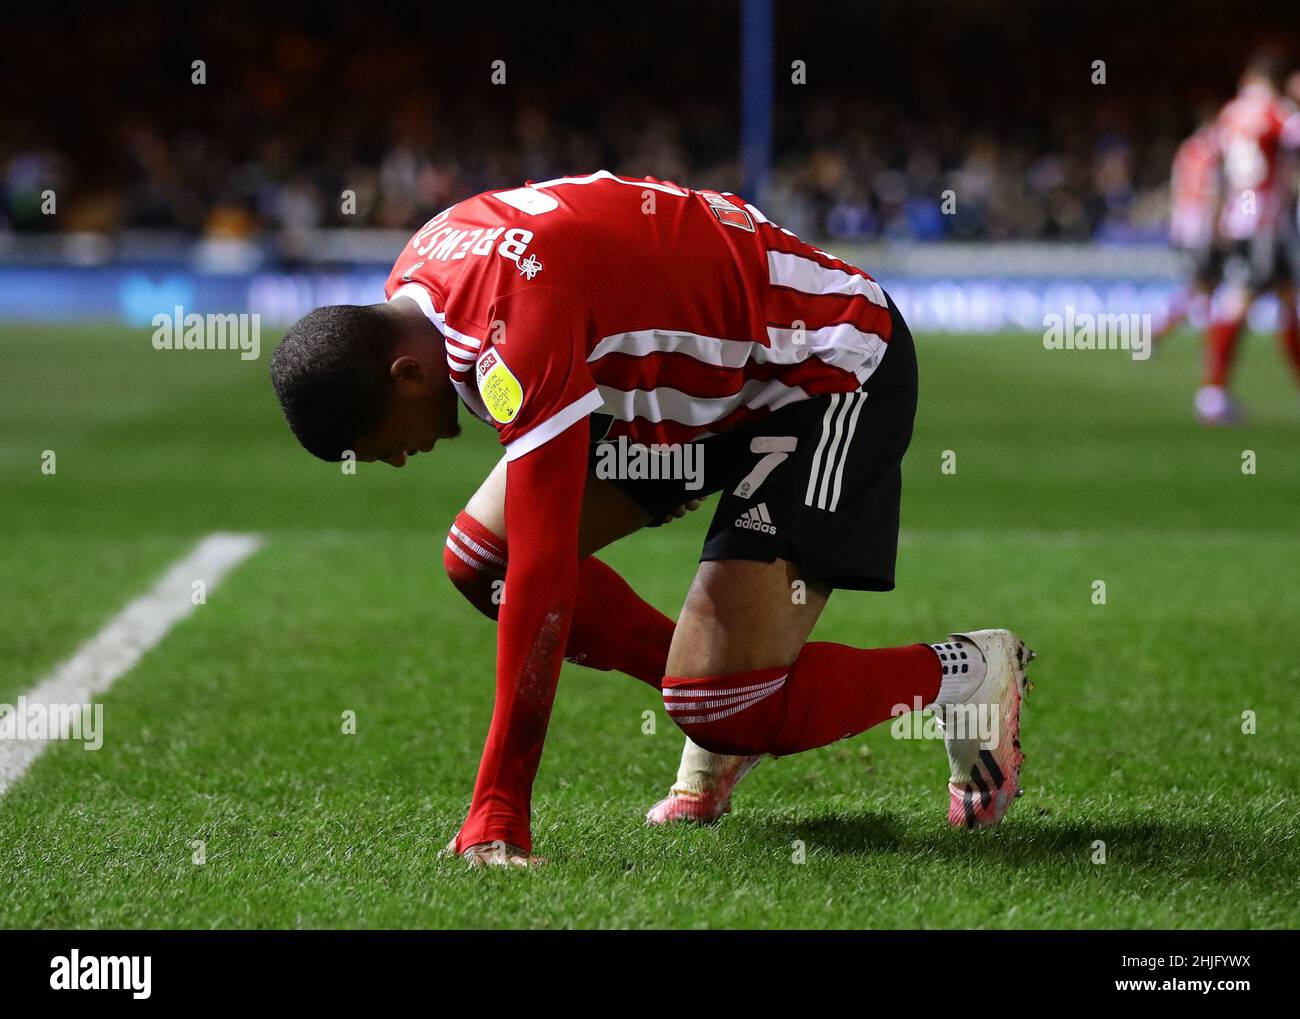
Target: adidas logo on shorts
x,y
756,519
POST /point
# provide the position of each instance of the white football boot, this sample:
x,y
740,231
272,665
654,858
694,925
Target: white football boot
x,y
980,719
1215,408
702,792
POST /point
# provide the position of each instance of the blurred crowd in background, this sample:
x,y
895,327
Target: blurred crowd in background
x,y
848,173
398,107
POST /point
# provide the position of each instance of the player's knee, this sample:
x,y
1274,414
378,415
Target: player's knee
x,y
741,713
475,560
479,589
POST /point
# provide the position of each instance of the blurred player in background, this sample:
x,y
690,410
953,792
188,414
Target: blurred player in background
x,y
1258,134
1194,201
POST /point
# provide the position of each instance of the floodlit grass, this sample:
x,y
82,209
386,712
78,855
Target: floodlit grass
x,y
1072,467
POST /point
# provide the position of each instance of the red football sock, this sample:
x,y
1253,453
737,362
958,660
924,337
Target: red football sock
x,y
1288,337
613,629
831,692
1220,348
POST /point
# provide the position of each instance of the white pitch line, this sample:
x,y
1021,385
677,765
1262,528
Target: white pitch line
x,y
122,642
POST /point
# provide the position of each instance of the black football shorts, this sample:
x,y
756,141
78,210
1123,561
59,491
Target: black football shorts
x,y
816,483
1267,260
1203,265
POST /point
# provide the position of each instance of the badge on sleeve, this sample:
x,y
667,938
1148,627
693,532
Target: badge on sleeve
x,y
502,394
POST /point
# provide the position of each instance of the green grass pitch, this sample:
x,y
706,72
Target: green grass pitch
x,y
1072,467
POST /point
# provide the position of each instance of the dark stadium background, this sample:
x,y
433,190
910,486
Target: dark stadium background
x,y
903,98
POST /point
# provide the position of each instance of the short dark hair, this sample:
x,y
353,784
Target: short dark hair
x,y
330,372
1267,63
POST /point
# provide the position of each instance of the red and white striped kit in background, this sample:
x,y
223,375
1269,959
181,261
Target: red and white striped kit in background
x,y
678,313
1257,134
1194,190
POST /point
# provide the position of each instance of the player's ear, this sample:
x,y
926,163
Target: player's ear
x,y
406,369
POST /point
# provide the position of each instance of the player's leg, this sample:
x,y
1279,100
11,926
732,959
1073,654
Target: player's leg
x,y
1199,285
1288,327
612,628
817,508
1214,405
1253,268
770,468
742,681
705,780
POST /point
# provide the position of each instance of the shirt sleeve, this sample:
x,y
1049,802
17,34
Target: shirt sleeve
x,y
543,506
534,379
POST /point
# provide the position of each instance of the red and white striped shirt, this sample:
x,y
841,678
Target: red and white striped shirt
x,y
678,313
1258,133
1194,190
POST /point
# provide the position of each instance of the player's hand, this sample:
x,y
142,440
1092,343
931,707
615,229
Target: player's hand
x,y
681,511
494,854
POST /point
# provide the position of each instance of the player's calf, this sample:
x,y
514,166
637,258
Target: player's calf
x,y
830,692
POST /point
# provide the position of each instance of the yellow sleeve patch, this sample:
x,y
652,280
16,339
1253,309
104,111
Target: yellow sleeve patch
x,y
502,394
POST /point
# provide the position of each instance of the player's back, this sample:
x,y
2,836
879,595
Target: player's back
x,y
687,312
1250,129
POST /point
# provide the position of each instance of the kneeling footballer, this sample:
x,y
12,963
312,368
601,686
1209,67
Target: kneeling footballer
x,y
591,310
